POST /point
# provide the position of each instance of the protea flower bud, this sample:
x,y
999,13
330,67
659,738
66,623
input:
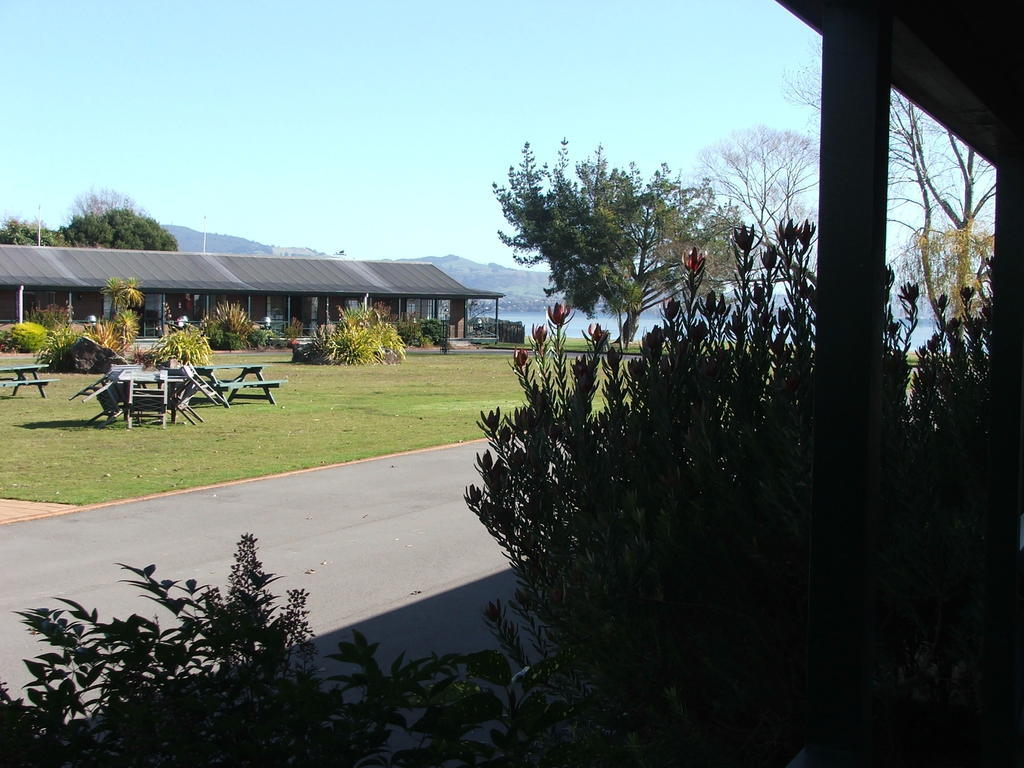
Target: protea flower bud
x,y
474,495
596,334
540,334
520,358
744,238
654,340
770,257
670,309
491,419
805,233
694,260
493,611
559,314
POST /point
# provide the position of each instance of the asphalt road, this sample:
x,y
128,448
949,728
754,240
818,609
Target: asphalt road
x,y
387,546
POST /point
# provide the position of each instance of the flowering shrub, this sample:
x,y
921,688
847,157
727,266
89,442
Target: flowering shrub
x,y
656,512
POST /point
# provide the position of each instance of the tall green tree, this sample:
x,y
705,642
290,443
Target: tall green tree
x,y
613,239
118,228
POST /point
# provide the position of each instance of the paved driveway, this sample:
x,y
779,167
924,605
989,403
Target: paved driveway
x,y
385,545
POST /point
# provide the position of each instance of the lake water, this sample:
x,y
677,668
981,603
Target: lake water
x,y
579,322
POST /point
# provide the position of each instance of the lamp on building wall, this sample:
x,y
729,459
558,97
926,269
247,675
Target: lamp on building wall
x,y
90,319
266,323
182,321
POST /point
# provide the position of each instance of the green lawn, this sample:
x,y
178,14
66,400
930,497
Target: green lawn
x,y
324,415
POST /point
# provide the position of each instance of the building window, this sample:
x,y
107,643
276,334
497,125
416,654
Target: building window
x,y
276,309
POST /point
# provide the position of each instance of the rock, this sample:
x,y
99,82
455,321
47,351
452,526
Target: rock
x,y
86,356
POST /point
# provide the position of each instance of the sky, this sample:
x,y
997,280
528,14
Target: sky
x,y
377,128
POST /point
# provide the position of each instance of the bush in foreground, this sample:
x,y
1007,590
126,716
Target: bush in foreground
x,y
660,540
229,680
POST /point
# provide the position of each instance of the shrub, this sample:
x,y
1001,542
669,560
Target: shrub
x,y
293,330
55,353
260,337
7,342
188,346
360,338
228,679
229,318
28,337
410,332
118,333
660,540
432,330
222,339
50,317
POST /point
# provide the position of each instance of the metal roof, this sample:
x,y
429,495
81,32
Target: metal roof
x,y
177,271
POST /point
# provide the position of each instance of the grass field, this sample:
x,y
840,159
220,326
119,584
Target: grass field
x,y
324,415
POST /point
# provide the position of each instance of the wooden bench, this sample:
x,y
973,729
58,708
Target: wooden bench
x,y
16,383
234,389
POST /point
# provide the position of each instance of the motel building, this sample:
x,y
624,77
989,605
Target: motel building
x,y
182,287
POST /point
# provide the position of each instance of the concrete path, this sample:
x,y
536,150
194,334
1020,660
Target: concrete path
x,y
387,546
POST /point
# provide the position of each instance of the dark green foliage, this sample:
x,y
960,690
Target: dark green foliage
x,y
660,540
613,239
17,232
432,330
260,337
118,228
55,353
230,681
411,332
221,339
935,484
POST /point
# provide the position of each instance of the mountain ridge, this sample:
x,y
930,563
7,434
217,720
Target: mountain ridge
x,y
523,288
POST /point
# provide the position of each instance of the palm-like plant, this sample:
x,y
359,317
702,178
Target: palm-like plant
x,y
124,293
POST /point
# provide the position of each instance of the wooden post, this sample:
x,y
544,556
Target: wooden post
x,y
856,54
1001,684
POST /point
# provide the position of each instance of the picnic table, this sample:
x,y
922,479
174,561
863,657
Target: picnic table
x,y
247,377
17,376
129,391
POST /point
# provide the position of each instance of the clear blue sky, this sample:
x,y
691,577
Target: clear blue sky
x,y
376,127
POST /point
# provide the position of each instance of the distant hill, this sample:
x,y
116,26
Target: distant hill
x,y
191,240
523,288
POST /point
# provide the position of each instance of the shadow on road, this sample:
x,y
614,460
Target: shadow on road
x,y
451,622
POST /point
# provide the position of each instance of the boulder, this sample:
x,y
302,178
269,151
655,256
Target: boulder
x,y
86,356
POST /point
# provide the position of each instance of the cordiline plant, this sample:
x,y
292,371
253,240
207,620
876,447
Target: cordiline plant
x,y
654,509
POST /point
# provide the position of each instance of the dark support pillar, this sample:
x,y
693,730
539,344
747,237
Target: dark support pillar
x,y
1001,672
856,45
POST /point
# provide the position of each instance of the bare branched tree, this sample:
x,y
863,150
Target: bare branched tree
x,y
767,174
940,190
99,201
951,187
